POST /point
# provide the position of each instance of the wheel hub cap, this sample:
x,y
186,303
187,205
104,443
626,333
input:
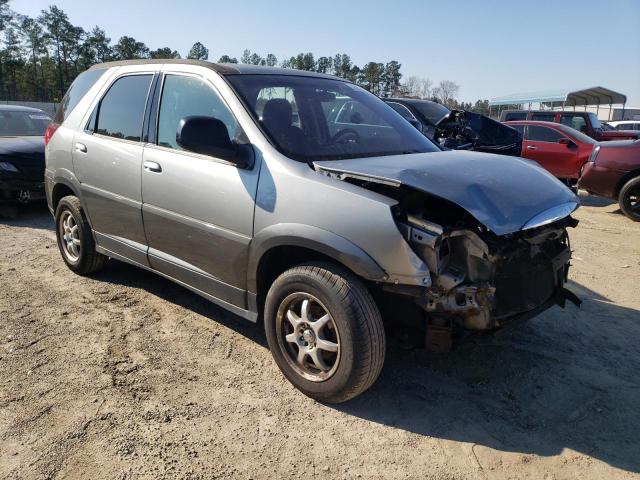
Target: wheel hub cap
x,y
69,236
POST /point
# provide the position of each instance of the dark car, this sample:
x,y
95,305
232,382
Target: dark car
x,y
613,171
22,153
458,129
585,122
562,150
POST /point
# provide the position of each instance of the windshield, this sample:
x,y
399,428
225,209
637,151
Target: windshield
x,y
323,119
595,123
434,112
17,123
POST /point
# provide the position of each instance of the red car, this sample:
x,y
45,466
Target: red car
x,y
560,149
613,171
585,122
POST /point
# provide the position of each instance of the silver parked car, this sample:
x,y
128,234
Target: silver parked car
x,y
247,186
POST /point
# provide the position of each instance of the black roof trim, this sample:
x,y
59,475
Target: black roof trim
x,y
221,68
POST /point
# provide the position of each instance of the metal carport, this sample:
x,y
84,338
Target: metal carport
x,y
592,97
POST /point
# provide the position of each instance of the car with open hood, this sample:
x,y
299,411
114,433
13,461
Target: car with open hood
x,y
457,129
243,184
22,153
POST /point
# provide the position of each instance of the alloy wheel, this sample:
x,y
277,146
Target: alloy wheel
x,y
69,232
308,336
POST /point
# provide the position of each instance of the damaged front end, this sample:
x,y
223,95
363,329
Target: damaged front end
x,y
463,130
482,281
491,229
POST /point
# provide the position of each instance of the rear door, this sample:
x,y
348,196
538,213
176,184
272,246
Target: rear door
x,y
541,144
107,157
198,209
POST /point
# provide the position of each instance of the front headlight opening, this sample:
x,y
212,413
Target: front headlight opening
x,y
8,167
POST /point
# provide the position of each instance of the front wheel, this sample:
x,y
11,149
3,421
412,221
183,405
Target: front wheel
x,y
629,199
324,331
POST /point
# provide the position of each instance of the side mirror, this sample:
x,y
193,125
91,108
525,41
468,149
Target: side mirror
x,y
566,141
209,136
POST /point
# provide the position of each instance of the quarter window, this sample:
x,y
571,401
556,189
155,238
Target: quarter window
x,y
122,109
537,133
185,96
402,110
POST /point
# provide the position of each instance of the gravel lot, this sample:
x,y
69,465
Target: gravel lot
x,y
126,375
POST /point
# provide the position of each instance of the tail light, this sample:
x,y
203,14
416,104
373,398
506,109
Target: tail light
x,y
51,129
594,154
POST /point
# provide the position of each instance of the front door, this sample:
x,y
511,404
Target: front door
x,y
197,210
107,157
541,144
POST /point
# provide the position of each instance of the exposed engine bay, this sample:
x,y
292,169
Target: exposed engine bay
x,y
462,130
478,279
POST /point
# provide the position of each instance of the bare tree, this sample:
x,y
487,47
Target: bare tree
x,y
446,91
417,87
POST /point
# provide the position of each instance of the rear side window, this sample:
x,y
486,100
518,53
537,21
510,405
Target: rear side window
x,y
543,134
121,110
515,116
76,92
543,117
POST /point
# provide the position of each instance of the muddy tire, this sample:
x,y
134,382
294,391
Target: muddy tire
x,y
629,199
75,240
324,331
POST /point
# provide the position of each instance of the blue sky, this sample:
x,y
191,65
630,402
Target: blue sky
x,y
490,48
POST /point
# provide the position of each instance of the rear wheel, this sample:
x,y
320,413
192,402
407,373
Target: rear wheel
x,y
75,240
324,331
629,199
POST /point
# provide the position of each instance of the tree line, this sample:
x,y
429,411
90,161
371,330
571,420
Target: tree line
x,y
40,57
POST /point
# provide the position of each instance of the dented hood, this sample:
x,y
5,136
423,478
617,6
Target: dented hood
x,y
503,193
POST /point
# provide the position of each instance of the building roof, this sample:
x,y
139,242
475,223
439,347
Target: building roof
x,y
222,68
569,98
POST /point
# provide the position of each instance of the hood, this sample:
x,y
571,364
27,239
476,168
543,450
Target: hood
x,y
503,193
26,153
27,148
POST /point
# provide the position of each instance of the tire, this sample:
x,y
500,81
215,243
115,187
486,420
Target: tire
x,y
354,324
629,199
85,259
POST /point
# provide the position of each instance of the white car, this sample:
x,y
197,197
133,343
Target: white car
x,y
626,125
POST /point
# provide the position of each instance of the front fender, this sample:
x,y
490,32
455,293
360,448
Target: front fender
x,y
313,238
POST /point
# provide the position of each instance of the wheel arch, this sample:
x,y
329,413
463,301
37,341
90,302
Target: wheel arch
x,y
282,246
625,178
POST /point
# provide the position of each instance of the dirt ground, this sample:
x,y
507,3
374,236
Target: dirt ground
x,y
128,376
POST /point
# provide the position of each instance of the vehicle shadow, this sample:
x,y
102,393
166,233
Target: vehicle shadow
x,y
594,201
121,273
32,215
565,379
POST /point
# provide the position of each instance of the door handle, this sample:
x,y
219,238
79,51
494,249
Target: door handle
x,y
152,166
81,147
531,147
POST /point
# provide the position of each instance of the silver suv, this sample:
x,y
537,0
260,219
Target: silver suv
x,y
304,201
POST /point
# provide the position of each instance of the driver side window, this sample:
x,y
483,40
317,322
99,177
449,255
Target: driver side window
x,y
184,96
